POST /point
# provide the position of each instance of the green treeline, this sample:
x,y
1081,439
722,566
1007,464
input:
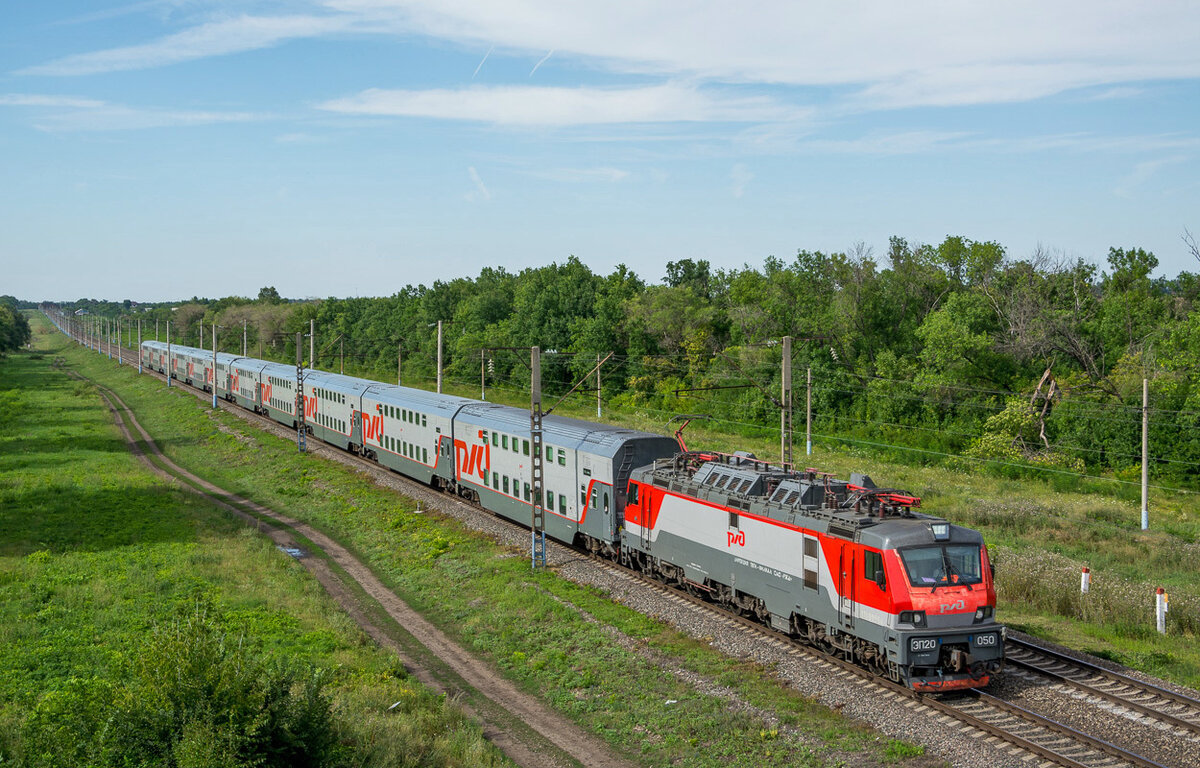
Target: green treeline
x,y
955,349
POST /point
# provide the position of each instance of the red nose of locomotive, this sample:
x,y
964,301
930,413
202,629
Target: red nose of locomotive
x,y
944,613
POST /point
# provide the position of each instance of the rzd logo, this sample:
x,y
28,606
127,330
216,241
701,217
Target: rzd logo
x,y
310,407
957,605
472,459
266,389
372,427
738,538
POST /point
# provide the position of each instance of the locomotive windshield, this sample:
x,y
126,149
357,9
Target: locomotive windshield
x,y
942,565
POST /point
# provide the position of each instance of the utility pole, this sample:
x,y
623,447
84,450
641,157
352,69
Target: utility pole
x,y
399,360
214,366
537,527
1145,454
808,415
439,358
785,398
139,345
120,328
342,355
156,329
168,353
108,336
482,386
300,436
243,338
312,343
598,361
201,334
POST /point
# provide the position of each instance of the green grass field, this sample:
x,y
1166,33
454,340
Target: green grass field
x,y
101,562
553,637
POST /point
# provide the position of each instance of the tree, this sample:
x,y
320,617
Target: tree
x,y
269,295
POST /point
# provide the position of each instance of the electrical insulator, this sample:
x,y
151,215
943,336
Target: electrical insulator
x,y
491,365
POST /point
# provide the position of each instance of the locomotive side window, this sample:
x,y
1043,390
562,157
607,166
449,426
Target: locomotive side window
x,y
633,493
811,552
873,566
606,501
562,457
562,503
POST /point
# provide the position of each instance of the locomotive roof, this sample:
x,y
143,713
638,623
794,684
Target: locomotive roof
x,y
854,509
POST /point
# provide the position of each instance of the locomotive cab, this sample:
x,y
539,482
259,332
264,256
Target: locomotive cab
x,y
945,634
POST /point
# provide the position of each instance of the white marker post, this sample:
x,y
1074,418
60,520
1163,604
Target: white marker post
x,y
1160,610
1085,580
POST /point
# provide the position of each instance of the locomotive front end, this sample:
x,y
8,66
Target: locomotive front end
x,y
947,636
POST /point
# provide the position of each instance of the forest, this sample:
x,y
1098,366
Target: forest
x,y
955,352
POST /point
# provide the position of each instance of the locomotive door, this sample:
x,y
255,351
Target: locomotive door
x,y
846,586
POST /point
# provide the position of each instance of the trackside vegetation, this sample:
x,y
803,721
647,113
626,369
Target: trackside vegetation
x,y
600,663
141,626
956,353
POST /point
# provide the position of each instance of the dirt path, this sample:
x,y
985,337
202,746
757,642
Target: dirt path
x,y
552,741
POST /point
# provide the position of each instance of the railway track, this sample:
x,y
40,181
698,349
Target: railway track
x,y
1179,712
1005,725
996,719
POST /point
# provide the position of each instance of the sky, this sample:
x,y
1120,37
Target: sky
x,y
161,149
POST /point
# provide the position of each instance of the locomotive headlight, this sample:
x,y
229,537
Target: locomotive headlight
x,y
941,531
916,618
984,612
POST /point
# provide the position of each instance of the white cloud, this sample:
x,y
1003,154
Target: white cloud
x,y
1142,172
740,175
923,52
582,175
548,106
39,100
216,38
875,54
480,192
68,113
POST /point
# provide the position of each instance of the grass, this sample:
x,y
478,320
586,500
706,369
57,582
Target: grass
x,y
96,554
554,637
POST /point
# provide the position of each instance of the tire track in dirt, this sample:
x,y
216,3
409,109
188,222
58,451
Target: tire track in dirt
x,y
555,741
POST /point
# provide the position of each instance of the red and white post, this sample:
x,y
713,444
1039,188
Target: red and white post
x,y
1085,580
1160,610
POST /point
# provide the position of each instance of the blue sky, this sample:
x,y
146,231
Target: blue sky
x,y
167,148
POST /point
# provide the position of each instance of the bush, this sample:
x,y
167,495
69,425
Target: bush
x,y
195,697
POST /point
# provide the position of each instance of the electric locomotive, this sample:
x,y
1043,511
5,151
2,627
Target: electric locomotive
x,y
844,565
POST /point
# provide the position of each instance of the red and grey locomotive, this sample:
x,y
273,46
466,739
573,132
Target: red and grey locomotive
x,y
845,565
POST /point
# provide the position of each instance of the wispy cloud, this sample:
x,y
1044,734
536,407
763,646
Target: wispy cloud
x,y
216,38
541,61
740,175
480,193
41,100
1143,172
582,175
68,113
485,58
924,52
533,106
